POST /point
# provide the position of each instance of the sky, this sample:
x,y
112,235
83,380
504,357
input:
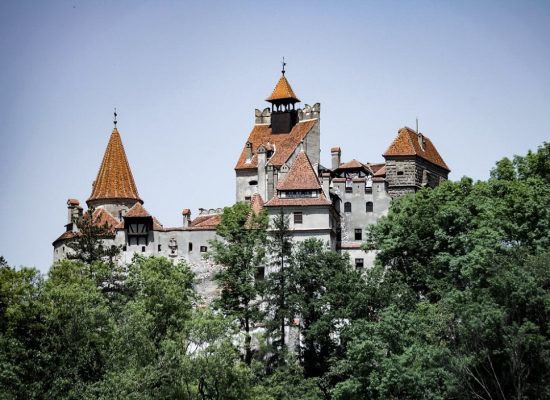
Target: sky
x,y
186,76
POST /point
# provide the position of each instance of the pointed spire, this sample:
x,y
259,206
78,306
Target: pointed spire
x,y
114,180
283,92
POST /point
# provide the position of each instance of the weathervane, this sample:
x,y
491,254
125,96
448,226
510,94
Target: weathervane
x,y
115,121
284,63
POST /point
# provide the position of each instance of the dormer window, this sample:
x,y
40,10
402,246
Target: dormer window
x,y
137,229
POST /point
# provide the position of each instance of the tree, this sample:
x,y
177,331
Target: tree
x,y
324,294
21,331
240,253
87,244
532,165
276,292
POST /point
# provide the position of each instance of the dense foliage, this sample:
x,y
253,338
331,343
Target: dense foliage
x,y
456,307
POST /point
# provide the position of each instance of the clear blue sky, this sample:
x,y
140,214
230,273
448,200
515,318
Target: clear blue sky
x,y
186,77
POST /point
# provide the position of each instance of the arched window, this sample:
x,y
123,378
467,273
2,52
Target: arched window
x,y
347,207
369,206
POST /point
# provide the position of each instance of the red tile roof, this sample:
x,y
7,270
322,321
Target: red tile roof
x,y
157,226
73,202
137,211
407,143
298,201
102,217
353,164
375,167
284,144
206,222
257,203
282,91
114,179
381,171
301,175
65,236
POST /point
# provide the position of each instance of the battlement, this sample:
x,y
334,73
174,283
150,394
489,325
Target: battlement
x,y
263,117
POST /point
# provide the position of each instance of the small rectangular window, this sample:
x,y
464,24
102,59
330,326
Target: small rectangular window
x,y
260,274
298,217
143,249
349,189
359,234
123,248
359,263
204,249
190,246
247,199
159,247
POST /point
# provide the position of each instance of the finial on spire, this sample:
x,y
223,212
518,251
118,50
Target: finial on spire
x,y
284,64
417,125
115,114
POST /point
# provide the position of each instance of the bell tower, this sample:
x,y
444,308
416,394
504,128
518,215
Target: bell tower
x,y
283,115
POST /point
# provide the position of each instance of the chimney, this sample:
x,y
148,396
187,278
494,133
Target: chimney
x,y
335,152
325,181
262,189
74,210
186,217
248,152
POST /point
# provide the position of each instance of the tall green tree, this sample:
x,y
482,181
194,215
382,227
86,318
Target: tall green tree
x,y
277,286
325,295
21,330
241,253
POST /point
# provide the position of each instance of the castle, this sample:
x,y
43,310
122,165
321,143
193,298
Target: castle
x,y
278,169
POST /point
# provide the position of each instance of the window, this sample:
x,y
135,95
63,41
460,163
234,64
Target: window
x,y
204,249
143,249
190,246
247,199
359,263
298,217
399,173
369,206
260,274
253,183
124,248
349,186
347,207
159,247
359,234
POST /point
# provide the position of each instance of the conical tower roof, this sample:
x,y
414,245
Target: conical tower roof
x,y
283,91
114,180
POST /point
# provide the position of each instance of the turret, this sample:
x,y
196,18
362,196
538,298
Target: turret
x,y
284,115
114,188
